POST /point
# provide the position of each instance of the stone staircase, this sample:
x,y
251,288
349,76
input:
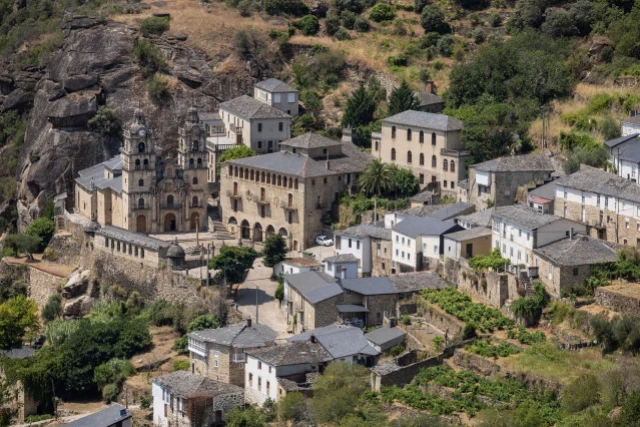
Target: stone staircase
x,y
524,282
216,226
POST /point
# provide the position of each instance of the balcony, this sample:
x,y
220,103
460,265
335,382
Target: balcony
x,y
239,358
174,206
195,205
138,207
290,207
196,166
262,201
454,153
234,195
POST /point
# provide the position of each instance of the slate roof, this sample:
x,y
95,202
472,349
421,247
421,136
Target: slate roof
x,y
477,219
314,286
95,174
342,258
464,184
425,120
427,98
18,353
351,308
126,236
524,216
521,163
301,262
248,108
185,384
630,151
472,233
369,286
274,85
339,340
546,191
110,415
285,162
353,159
412,282
292,353
310,140
621,139
423,196
239,335
598,181
633,120
366,230
580,250
383,335
451,211
415,226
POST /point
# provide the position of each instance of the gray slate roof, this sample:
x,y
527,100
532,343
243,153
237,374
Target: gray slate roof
x,y
581,250
310,140
521,163
630,151
292,353
546,191
185,384
383,335
239,335
425,120
369,286
452,211
137,239
477,219
598,181
339,340
427,98
351,308
110,415
342,258
415,226
412,282
248,108
285,162
366,230
423,196
18,353
95,174
524,216
620,140
472,233
274,85
353,159
314,286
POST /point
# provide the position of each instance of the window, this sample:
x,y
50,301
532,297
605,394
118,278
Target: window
x,y
259,367
421,159
276,97
280,126
452,166
259,384
349,242
259,127
291,97
409,157
626,224
393,154
357,244
453,184
421,138
396,252
444,183
434,161
376,146
259,144
215,363
445,165
141,183
575,271
195,180
421,178
250,380
435,249
393,131
433,138
408,134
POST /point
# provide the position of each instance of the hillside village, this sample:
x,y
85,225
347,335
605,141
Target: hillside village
x,y
330,213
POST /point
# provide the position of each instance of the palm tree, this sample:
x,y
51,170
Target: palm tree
x,y
376,178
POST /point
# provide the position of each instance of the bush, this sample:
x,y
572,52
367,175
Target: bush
x,y
429,40
355,6
478,36
469,331
291,407
181,365
432,20
110,393
530,308
399,60
608,128
113,372
286,7
154,25
396,350
342,34
105,122
42,228
405,319
157,88
382,12
348,19
581,393
53,309
149,56
559,23
361,25
332,24
308,25
145,402
495,20
445,45
494,261
420,5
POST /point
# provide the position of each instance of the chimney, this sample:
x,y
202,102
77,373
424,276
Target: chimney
x,y
123,412
312,338
248,322
431,87
571,234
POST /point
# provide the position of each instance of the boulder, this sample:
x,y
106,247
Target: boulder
x,y
6,84
79,81
77,284
78,307
319,8
19,99
73,111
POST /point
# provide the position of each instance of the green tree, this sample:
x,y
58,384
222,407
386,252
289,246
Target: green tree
x,y
630,413
239,152
18,320
432,20
361,24
382,12
419,5
53,308
530,308
308,25
403,182
275,250
337,391
376,178
597,157
8,402
581,393
609,128
43,228
149,56
106,122
279,294
559,23
360,109
247,417
115,371
154,25
292,407
234,262
332,23
204,321
402,99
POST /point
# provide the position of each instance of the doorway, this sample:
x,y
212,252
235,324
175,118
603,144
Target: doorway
x,y
170,222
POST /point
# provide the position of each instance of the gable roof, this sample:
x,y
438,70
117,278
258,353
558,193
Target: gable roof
x,y
441,212
412,282
18,353
524,216
598,181
137,239
185,384
369,286
238,335
630,151
110,415
314,286
621,139
472,233
415,226
342,258
366,230
422,119
301,262
383,335
310,140
426,98
546,191
95,175
274,85
292,353
248,108
477,219
521,163
580,250
339,340
285,162
353,159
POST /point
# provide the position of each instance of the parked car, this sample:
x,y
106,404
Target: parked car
x,y
324,240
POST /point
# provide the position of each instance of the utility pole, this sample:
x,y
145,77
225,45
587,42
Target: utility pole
x,y
257,288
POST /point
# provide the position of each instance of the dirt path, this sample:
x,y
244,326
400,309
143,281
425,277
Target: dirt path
x,y
60,270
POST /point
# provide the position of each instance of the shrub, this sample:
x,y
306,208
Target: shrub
x,y
396,350
432,20
309,25
145,402
405,319
485,348
438,342
478,36
609,128
110,393
530,308
526,337
493,261
399,60
291,407
361,25
581,393
154,25
181,365
419,5
149,56
348,19
342,34
157,88
115,372
42,228
332,24
429,40
53,309
355,6
495,20
382,12
286,7
474,19
469,331
445,45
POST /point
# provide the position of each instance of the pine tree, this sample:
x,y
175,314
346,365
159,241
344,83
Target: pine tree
x,y
402,99
360,110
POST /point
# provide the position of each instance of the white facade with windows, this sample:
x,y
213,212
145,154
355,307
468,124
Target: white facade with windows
x,y
405,249
360,247
261,381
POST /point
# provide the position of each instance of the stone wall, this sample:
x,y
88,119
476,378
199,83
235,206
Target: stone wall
x,y
441,320
617,302
490,288
475,363
67,248
227,402
40,285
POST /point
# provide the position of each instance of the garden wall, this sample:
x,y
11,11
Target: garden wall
x,y
623,299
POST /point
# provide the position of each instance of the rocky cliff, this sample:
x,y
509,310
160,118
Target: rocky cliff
x,y
95,67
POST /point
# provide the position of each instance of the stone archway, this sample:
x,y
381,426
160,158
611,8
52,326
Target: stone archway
x,y
257,232
233,224
141,224
283,232
245,230
170,223
195,222
270,230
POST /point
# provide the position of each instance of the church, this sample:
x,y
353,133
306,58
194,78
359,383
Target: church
x,y
142,192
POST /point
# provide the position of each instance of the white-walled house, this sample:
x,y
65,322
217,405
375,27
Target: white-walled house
x,y
265,367
297,266
343,266
624,154
518,230
415,239
277,94
631,124
359,241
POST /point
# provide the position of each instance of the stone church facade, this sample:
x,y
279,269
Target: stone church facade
x,y
140,191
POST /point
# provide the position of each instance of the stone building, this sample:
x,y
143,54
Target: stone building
x,y
608,204
429,100
141,191
565,264
182,399
631,125
495,182
134,246
289,191
428,144
364,242
542,198
278,95
467,243
367,301
23,399
219,354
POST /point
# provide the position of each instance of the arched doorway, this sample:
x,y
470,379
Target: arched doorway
x,y
270,230
233,223
245,230
170,222
141,224
195,221
257,232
